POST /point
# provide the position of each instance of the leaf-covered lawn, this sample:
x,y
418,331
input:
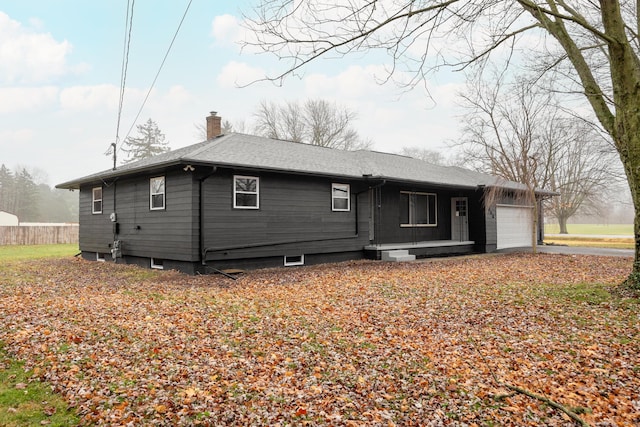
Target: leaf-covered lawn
x,y
361,343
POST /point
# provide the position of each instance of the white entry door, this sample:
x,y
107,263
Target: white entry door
x,y
459,219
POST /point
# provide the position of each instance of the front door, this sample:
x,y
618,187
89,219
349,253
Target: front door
x,y
459,219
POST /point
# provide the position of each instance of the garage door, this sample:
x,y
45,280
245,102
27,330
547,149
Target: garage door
x,y
514,224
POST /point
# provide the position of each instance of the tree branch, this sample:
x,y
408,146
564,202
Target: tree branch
x,y
575,17
526,392
335,46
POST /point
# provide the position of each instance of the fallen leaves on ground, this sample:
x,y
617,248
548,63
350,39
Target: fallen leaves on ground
x,y
358,343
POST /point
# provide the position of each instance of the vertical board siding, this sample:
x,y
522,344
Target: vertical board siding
x,y
39,235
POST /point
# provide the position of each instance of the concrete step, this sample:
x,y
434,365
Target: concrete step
x,y
397,255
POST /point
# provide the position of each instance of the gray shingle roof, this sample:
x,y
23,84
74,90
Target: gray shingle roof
x,y
256,152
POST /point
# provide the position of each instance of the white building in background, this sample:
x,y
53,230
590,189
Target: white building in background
x,y
8,219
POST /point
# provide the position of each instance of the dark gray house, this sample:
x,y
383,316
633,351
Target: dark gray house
x,y
241,201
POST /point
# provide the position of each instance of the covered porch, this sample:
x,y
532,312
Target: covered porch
x,y
422,249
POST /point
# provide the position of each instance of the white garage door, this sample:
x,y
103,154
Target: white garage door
x,y
514,225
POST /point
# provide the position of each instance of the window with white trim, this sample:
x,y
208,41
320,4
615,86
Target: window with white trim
x,y
96,200
418,209
156,193
246,192
340,197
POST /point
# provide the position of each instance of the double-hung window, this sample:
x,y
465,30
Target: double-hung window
x,y
246,192
340,197
96,200
418,209
156,193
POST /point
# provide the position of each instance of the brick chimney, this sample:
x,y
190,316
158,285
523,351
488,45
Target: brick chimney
x,y
214,127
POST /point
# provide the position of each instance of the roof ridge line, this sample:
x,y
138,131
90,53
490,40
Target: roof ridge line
x,y
205,146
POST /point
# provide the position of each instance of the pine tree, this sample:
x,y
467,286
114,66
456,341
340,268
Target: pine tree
x,y
150,142
7,186
26,197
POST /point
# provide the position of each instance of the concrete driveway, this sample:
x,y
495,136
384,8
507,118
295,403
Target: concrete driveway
x,y
574,250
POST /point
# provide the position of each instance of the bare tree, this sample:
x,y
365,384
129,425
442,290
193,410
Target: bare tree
x,y
508,130
431,156
316,122
594,45
520,133
504,136
581,170
280,121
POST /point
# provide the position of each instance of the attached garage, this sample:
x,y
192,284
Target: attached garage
x,y
514,226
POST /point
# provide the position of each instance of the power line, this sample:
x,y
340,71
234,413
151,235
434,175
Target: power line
x,y
128,25
159,69
125,64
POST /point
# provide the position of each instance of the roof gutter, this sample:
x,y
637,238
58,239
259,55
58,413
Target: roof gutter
x,y
538,192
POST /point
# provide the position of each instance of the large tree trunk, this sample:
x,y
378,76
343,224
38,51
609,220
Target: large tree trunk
x,y
562,221
625,77
631,164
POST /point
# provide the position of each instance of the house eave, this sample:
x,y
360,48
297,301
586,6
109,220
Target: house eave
x,y
117,173
538,191
132,171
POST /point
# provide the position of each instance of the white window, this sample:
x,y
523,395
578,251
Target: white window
x,y
418,209
246,192
100,257
156,193
293,260
340,197
156,263
96,201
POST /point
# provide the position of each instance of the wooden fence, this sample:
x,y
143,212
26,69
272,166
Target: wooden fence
x,y
38,234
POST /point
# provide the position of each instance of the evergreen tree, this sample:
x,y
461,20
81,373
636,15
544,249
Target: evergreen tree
x,y
26,197
6,189
150,142
56,205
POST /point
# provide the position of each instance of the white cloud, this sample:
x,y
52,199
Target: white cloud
x,y
90,97
177,96
226,29
236,74
388,115
27,56
11,137
446,95
356,81
15,99
36,23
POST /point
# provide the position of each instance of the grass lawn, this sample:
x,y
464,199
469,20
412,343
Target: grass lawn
x,y
25,401
602,229
359,343
610,242
26,252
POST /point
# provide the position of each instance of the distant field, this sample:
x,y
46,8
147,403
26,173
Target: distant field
x,y
611,229
24,252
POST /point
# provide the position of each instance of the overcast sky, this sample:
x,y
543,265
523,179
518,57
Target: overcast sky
x,y
60,71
